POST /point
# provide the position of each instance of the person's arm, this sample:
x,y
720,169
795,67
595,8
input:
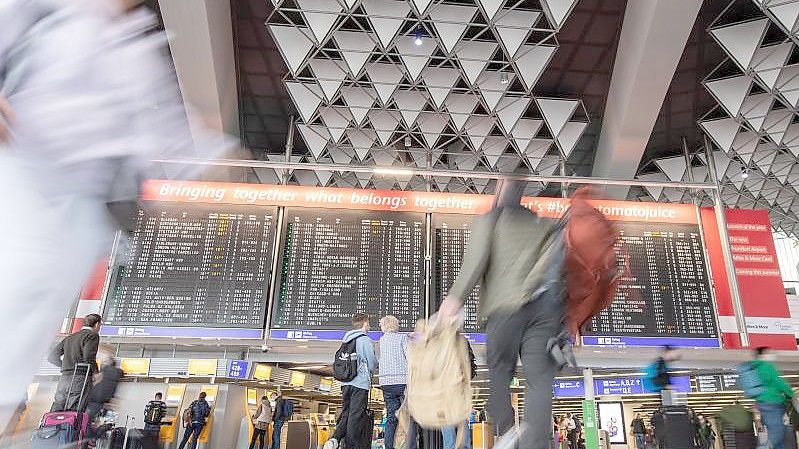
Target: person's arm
x,y
779,381
56,353
89,350
475,261
369,353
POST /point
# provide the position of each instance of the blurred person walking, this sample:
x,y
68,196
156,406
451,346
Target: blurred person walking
x,y
506,245
393,373
761,381
86,99
105,385
74,355
450,434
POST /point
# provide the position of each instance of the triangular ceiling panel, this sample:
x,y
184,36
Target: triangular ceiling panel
x,y
654,191
415,57
532,61
722,131
306,97
781,167
410,103
340,155
492,86
507,163
569,136
337,119
330,74
320,15
768,61
786,14
383,157
513,27
558,10
315,136
362,140
776,124
421,5
431,125
439,83
788,84
384,123
548,165
740,40
477,129
461,107
474,57
755,109
355,47
730,92
536,150
764,156
744,145
386,17
293,43
359,101
556,112
450,22
524,131
722,162
492,148
465,161
510,109
386,78
490,7
672,167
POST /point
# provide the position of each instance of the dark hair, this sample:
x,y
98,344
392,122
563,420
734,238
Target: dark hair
x,y
667,348
159,395
359,319
264,398
202,395
92,320
760,350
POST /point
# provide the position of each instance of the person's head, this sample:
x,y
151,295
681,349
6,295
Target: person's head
x,y
360,321
264,399
509,193
638,415
202,395
669,353
105,354
389,323
274,395
93,321
159,396
568,415
764,353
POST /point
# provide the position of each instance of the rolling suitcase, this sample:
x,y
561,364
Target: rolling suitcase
x,y
58,429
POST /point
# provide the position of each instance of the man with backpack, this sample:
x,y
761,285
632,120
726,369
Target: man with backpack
x,y
195,417
761,381
354,364
638,431
283,409
154,413
506,245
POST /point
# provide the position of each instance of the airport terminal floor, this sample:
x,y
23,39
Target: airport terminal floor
x,y
410,224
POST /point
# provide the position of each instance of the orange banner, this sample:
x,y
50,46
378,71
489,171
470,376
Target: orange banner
x,y
394,200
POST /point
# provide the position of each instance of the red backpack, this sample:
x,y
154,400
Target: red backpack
x,y
591,262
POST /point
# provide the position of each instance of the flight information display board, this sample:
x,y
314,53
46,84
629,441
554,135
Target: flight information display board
x,y
450,237
193,270
338,262
666,297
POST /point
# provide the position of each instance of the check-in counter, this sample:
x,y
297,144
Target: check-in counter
x,y
323,429
482,436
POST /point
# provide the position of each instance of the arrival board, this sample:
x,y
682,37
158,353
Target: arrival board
x,y
665,297
193,270
339,262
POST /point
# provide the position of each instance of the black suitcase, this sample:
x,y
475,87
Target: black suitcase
x,y
431,439
678,431
117,438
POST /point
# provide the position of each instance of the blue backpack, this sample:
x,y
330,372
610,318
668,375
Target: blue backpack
x,y
749,381
288,409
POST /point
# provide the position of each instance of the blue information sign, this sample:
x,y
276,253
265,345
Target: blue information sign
x,y
238,369
568,388
613,386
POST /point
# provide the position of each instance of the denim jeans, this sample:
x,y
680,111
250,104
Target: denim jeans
x,y
450,435
772,418
277,427
394,395
640,441
193,431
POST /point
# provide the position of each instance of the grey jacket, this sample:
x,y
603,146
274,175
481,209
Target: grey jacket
x,y
502,255
367,362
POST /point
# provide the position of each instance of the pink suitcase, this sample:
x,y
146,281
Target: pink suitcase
x,y
63,429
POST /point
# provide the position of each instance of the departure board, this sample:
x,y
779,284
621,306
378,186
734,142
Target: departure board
x,y
339,262
205,267
665,300
450,238
667,292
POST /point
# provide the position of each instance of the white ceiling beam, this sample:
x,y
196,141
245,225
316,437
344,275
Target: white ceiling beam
x,y
652,41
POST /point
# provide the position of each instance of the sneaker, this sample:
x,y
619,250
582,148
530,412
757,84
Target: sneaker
x,y
509,440
331,444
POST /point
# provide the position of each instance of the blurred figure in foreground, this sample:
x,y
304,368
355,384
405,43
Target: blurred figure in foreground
x,y
506,245
105,385
656,375
86,99
761,381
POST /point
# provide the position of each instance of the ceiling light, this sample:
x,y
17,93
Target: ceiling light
x,y
407,141
745,173
503,78
394,171
418,36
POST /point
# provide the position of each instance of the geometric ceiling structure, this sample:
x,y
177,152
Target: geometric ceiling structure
x,y
424,83
754,127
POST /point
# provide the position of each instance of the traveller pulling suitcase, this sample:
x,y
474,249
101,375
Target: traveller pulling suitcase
x,y
58,429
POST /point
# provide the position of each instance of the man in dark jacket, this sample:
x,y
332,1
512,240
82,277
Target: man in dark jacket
x,y
199,410
279,418
72,355
154,413
106,386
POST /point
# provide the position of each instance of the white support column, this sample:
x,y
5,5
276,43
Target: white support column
x,y
652,41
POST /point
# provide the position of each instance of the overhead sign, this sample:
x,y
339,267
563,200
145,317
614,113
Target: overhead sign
x,y
135,366
297,379
202,367
568,388
325,384
238,369
716,382
262,371
618,386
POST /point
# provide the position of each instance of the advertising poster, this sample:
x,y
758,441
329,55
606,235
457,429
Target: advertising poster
x,y
611,419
